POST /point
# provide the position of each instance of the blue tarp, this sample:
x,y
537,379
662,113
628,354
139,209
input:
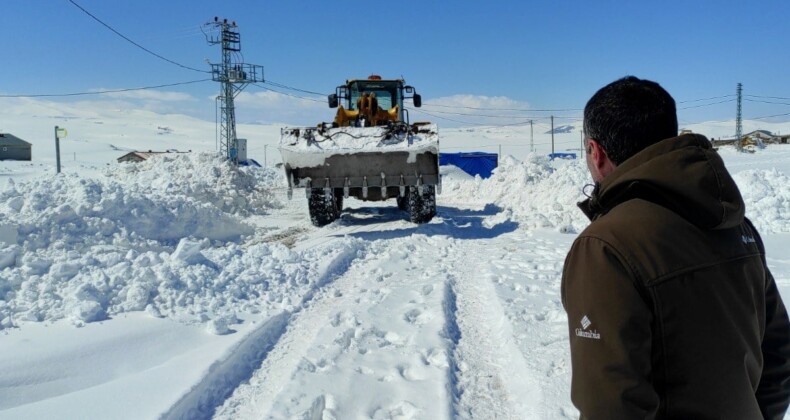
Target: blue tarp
x,y
473,163
553,156
249,162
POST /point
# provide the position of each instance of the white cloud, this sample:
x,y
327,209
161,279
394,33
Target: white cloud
x,y
479,101
273,107
152,95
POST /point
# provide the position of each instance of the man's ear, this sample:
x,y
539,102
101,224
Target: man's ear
x,y
598,154
600,163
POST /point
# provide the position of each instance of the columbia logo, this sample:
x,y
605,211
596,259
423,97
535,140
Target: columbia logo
x,y
583,333
586,322
748,239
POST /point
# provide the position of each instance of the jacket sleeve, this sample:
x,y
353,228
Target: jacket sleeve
x,y
609,322
773,393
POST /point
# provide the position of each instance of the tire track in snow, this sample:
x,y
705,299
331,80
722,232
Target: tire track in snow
x,y
373,346
239,364
254,399
453,335
525,274
481,372
490,379
225,375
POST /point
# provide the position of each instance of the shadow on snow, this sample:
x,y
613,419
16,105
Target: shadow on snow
x,y
449,221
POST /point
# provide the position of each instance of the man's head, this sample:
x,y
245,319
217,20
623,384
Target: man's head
x,y
623,118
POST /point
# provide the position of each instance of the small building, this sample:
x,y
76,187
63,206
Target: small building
x,y
134,157
14,148
137,156
757,138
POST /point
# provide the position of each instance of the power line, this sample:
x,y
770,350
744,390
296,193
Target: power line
x,y
520,117
569,109
706,99
134,43
766,102
471,123
703,105
768,97
449,119
279,85
282,86
286,94
769,116
102,92
504,109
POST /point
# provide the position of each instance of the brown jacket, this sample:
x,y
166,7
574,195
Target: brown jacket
x,y
672,311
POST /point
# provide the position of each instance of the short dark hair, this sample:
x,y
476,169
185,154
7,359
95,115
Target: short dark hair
x,y
628,115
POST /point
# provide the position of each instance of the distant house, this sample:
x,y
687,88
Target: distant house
x,y
135,157
757,138
14,148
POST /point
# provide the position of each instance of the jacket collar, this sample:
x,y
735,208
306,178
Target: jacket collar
x,y
683,174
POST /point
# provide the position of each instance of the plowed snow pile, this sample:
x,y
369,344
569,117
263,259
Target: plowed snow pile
x,y
162,236
540,193
767,196
536,192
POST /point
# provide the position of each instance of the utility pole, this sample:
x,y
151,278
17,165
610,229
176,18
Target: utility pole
x,y
531,138
738,126
57,147
552,134
59,132
234,77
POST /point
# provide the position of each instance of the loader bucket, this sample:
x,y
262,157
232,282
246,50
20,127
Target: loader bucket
x,y
369,163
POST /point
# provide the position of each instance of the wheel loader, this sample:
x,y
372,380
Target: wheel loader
x,y
370,151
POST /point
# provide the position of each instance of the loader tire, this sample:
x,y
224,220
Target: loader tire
x,y
403,202
324,209
422,207
339,199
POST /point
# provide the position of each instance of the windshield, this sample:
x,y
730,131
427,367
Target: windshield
x,y
387,93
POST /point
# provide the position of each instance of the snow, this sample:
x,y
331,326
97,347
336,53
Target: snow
x,y
181,287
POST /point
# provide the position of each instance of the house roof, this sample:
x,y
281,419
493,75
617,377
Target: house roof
x,y
7,139
141,155
764,132
145,155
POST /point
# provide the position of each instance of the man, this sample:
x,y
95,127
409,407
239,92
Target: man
x,y
671,308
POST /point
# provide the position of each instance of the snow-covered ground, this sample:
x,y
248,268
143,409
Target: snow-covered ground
x,y
181,288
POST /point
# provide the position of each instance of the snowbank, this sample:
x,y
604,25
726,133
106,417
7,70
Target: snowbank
x,y
162,236
540,193
207,178
537,192
767,196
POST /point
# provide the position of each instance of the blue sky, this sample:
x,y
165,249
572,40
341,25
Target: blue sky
x,y
496,55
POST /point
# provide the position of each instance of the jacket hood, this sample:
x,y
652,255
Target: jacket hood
x,y
683,174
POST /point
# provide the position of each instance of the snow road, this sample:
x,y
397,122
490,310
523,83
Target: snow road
x,y
419,323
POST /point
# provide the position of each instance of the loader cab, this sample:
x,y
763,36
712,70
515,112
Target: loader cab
x,y
388,94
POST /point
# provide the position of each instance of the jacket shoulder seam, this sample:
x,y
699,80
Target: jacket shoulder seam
x,y
673,274
628,263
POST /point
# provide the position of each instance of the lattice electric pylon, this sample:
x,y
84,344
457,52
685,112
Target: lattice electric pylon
x,y
738,121
234,77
